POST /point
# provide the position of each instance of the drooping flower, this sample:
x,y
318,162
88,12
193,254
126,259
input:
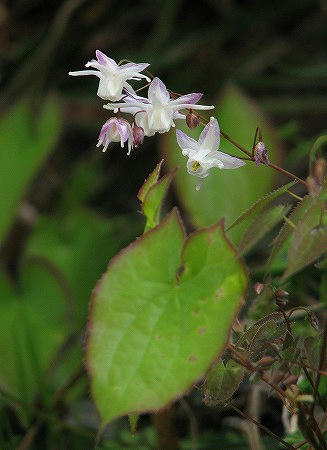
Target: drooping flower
x,y
116,130
203,154
157,112
113,77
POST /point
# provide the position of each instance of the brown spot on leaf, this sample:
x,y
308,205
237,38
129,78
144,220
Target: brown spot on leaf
x,y
158,337
219,293
202,330
192,358
196,312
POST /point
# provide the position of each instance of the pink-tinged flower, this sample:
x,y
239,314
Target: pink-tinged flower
x,y
116,130
157,112
203,154
113,77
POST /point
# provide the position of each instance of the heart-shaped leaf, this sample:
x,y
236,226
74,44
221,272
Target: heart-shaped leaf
x,y
160,315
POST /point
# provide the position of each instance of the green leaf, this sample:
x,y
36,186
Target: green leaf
x,y
24,145
149,182
34,323
226,193
261,225
154,198
261,204
309,240
160,315
133,420
287,229
221,382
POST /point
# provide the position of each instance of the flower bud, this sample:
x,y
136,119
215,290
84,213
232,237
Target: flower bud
x,y
258,288
313,186
281,298
281,302
192,120
260,154
319,169
290,380
281,293
265,361
138,135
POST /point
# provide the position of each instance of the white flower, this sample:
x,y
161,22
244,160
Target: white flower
x,y
157,112
116,130
203,154
113,77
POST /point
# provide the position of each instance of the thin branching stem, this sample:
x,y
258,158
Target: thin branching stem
x,y
262,427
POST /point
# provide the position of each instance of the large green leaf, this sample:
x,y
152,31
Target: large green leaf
x,y
160,315
24,145
226,193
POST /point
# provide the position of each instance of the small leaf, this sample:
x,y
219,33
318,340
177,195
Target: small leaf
x,y
154,198
149,182
221,382
133,420
262,203
152,333
261,225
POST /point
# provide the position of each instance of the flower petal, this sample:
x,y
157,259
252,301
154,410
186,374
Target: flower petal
x,y
78,73
210,136
230,162
103,59
133,68
185,142
158,92
188,98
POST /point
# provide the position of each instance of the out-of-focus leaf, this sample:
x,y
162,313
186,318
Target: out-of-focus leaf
x,y
80,245
309,240
226,193
221,382
153,200
24,145
260,226
154,331
261,204
34,323
149,182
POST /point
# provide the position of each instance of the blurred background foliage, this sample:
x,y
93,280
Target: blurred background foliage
x,y
66,208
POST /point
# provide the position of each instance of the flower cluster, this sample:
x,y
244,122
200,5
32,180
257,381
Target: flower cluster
x,y
155,113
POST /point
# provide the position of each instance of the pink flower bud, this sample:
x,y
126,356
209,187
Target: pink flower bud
x,y
138,135
260,154
192,120
258,288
